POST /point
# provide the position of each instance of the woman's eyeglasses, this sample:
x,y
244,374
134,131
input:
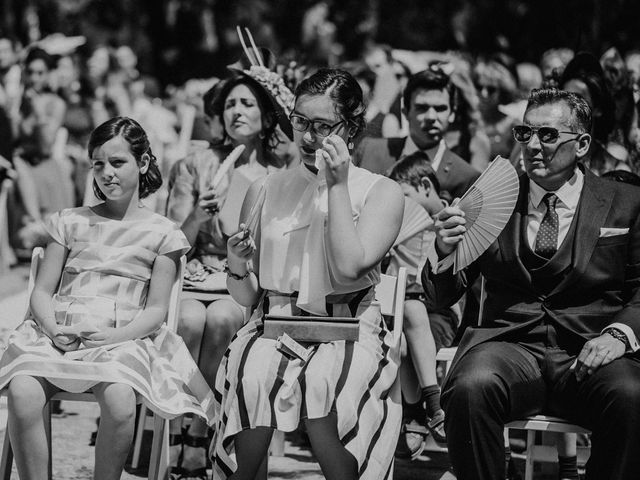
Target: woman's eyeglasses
x,y
318,127
523,133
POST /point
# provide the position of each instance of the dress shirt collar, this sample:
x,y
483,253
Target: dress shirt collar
x,y
410,147
568,193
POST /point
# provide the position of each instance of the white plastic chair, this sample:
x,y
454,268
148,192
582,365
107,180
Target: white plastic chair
x,y
159,460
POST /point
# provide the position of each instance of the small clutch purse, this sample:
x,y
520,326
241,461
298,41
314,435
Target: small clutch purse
x,y
311,329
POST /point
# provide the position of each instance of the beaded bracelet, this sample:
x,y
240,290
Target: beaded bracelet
x,y
235,276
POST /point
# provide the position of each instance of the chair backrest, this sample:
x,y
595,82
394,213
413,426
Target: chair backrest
x,y
390,293
36,257
174,296
6,254
483,296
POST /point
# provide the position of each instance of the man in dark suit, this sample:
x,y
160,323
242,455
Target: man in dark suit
x,y
429,96
561,320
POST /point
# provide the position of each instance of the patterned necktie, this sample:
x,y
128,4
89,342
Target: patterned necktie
x,y
547,238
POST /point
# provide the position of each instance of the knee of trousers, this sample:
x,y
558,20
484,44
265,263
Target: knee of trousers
x,y
472,390
623,400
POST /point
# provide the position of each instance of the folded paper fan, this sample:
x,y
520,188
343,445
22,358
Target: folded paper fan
x,y
252,220
488,205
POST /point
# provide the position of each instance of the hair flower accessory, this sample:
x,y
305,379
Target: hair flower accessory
x,y
274,84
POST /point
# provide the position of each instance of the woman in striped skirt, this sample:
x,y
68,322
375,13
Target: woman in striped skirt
x,y
311,243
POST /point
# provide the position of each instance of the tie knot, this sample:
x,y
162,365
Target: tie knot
x,y
550,200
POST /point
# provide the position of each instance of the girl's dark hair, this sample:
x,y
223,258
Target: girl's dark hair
x,y
136,137
217,96
37,53
345,92
411,169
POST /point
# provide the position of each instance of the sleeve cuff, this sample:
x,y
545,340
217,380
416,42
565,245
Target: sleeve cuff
x,y
626,329
439,266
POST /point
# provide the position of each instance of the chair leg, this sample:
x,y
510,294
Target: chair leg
x,y
276,448
46,412
137,444
159,461
528,469
6,462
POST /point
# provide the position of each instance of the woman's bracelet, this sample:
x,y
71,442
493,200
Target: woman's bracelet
x,y
235,276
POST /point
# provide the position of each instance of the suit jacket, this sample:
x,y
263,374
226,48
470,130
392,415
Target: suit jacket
x,y
379,154
598,285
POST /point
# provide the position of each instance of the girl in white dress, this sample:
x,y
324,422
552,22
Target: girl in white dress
x,y
97,309
323,229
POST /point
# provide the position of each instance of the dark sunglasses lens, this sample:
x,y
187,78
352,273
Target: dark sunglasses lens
x,y
547,134
522,133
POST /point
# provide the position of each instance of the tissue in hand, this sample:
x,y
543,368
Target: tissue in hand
x,y
320,161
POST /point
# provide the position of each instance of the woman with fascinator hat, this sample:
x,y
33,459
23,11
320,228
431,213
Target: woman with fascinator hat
x,y
252,107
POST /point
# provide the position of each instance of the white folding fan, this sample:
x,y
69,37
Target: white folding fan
x,y
488,205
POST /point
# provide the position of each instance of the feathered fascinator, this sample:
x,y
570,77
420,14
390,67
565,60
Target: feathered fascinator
x,y
272,84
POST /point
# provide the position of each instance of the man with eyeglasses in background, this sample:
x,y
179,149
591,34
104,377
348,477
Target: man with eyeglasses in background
x,y
561,320
429,100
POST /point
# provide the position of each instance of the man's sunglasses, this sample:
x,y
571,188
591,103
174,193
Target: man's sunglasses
x,y
523,133
318,127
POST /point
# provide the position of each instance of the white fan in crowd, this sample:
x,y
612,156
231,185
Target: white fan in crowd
x,y
488,205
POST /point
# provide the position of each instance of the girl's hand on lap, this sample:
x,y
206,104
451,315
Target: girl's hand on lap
x,y
337,159
67,342
103,337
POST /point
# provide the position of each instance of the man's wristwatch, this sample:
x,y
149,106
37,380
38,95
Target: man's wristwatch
x,y
618,335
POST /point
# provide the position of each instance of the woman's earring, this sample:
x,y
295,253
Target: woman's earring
x,y
261,135
350,145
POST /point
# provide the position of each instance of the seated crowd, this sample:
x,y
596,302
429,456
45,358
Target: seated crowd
x,y
300,199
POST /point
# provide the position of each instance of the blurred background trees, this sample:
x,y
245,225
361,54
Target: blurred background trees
x,y
180,39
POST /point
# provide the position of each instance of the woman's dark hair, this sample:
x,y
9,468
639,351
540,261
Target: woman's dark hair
x,y
587,69
345,92
411,169
218,97
39,54
136,137
210,97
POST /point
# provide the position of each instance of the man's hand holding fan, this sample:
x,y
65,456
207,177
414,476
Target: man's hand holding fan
x,y
466,228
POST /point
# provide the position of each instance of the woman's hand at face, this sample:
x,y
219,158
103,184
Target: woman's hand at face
x,y
335,154
241,245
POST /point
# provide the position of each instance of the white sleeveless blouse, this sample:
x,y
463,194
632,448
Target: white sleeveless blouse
x,y
294,254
